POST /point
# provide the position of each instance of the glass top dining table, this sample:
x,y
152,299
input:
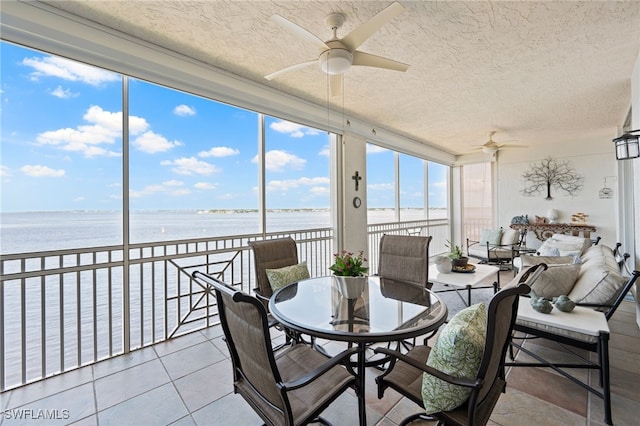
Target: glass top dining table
x,y
382,310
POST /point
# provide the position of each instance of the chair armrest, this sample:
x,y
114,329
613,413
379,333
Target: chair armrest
x,y
471,243
259,295
319,371
475,383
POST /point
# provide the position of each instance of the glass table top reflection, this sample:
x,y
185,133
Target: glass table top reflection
x,y
383,310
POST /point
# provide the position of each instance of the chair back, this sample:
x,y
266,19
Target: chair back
x,y
405,258
501,317
271,254
246,331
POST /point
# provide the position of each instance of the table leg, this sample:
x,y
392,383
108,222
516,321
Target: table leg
x,y
468,295
362,409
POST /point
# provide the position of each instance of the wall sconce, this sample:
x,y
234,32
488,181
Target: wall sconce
x,y
627,145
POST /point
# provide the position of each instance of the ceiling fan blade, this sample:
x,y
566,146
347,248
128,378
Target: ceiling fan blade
x,y
291,68
335,84
299,31
368,60
355,38
503,146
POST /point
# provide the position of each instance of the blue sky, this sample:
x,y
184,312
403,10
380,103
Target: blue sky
x,y
61,147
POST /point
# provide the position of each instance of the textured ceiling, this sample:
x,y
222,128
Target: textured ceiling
x,y
535,72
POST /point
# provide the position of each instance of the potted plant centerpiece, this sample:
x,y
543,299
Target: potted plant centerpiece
x,y
458,259
349,273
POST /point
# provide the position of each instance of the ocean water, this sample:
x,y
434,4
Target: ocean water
x,y
65,313
26,232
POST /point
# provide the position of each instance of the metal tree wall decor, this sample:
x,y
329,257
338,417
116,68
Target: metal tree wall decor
x,y
550,173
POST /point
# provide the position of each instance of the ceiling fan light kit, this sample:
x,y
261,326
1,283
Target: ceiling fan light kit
x,y
335,61
489,149
627,145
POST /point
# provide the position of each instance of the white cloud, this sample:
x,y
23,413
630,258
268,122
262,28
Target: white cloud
x,y
61,93
190,166
184,110
319,190
104,127
219,151
380,186
440,184
5,171
277,161
375,149
170,187
205,185
325,152
283,185
41,171
79,199
293,129
55,66
152,143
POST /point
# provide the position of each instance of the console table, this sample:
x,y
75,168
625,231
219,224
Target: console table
x,y
545,230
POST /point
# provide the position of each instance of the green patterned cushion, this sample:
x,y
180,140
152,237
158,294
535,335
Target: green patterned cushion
x,y
491,236
457,352
282,277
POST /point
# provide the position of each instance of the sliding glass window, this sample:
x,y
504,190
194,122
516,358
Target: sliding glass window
x,y
297,175
191,164
61,144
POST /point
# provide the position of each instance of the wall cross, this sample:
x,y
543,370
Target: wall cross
x,y
357,178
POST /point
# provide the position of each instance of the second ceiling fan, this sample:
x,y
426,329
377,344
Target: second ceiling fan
x,y
491,146
337,55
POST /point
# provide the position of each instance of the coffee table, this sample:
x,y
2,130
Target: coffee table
x,y
465,280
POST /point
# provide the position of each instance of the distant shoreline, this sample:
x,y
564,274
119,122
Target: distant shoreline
x,y
212,211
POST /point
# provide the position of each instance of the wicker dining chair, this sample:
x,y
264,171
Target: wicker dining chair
x,y
405,372
292,388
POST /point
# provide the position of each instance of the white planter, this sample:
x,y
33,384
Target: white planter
x,y
350,287
444,266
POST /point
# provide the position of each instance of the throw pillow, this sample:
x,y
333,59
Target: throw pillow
x,y
556,281
282,277
457,352
491,236
509,237
548,251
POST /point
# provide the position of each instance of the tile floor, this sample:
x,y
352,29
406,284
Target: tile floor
x,y
187,381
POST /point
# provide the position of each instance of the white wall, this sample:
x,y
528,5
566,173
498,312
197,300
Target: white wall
x,y
594,159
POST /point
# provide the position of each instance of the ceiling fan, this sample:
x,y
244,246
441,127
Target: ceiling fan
x,y
337,55
491,146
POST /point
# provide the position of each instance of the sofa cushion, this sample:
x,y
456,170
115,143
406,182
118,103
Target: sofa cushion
x,y
457,352
563,246
571,239
282,277
527,261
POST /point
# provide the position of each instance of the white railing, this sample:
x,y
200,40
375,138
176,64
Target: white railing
x,y
438,229
64,309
